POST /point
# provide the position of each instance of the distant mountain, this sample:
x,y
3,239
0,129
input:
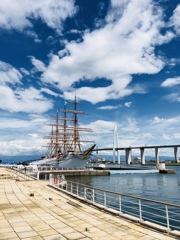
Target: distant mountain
x,y
15,159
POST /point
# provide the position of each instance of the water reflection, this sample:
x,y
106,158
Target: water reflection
x,y
162,187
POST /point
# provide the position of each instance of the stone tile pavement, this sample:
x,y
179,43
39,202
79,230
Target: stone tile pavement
x,y
32,210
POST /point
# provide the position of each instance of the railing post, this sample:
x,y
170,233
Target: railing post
x,y
93,196
71,187
38,175
167,217
77,192
84,192
140,210
105,199
50,179
120,203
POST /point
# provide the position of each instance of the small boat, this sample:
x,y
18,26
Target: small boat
x,y
65,147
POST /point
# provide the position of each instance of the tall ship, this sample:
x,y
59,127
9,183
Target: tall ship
x,y
67,148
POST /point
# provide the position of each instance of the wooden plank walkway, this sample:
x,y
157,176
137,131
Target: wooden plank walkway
x,y
32,210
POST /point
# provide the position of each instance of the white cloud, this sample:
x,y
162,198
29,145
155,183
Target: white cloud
x,y
100,94
24,71
99,125
23,137
32,34
39,65
23,100
31,123
131,126
21,147
158,120
175,20
108,107
33,135
17,14
9,74
48,91
176,135
8,123
174,97
171,82
122,47
174,61
128,104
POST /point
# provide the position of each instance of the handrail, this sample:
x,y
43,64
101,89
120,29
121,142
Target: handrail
x,y
47,168
127,195
160,215
22,174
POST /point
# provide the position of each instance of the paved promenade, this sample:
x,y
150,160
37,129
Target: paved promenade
x,y
32,210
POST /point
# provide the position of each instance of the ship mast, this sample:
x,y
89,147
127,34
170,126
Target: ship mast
x,y
57,136
66,138
75,126
51,144
65,133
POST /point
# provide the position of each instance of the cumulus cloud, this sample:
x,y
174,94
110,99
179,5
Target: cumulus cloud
x,y
14,123
18,14
9,74
174,97
16,99
175,20
22,136
39,65
23,100
21,147
102,125
170,82
120,48
158,120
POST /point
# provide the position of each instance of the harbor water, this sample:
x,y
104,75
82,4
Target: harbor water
x,y
155,186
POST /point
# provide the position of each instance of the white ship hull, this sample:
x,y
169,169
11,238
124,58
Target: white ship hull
x,y
65,141
72,161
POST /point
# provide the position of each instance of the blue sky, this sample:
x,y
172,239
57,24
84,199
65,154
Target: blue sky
x,y
120,58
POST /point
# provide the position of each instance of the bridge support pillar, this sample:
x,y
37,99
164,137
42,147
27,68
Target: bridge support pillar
x,y
176,154
157,155
119,158
128,156
142,156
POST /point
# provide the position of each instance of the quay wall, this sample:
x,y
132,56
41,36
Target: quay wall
x,y
45,174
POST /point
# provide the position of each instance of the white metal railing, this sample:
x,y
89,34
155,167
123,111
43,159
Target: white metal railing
x,y
48,168
24,174
145,210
